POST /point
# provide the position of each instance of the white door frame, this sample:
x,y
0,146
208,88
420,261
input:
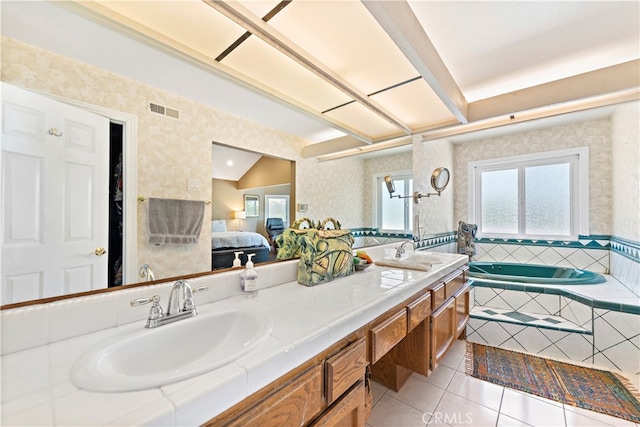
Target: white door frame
x,y
130,162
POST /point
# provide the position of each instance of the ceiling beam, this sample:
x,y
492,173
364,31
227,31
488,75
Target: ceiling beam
x,y
402,25
619,97
582,86
252,23
333,145
102,15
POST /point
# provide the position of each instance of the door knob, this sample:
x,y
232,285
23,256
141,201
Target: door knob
x,y
100,251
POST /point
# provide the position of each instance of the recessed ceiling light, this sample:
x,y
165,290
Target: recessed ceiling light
x,y
229,162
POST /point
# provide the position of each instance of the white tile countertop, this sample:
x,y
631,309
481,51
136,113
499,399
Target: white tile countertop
x,y
37,389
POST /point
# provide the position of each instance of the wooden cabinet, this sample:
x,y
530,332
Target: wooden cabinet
x,y
295,403
387,334
462,309
418,311
437,295
348,411
443,331
323,391
454,282
329,390
344,369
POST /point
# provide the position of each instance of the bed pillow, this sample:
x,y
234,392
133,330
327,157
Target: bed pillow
x,y
218,226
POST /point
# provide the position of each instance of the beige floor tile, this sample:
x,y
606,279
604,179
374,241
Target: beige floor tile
x,y
478,391
378,391
505,421
453,359
459,346
458,411
604,419
440,377
531,410
390,412
419,394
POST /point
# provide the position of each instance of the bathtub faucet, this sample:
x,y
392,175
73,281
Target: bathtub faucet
x,y
400,250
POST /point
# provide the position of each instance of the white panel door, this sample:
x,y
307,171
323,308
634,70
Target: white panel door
x,y
55,189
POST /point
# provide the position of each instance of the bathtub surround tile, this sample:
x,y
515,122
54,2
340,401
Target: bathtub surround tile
x,y
526,319
554,349
576,312
577,347
523,255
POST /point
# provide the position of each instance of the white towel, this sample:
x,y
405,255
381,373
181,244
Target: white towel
x,y
175,221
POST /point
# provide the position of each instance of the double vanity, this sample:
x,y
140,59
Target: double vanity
x,y
293,355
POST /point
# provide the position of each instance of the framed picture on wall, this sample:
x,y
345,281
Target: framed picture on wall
x,y
252,205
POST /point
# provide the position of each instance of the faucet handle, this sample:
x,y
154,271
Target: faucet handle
x,y
156,310
188,304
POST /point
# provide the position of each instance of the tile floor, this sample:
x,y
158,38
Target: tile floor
x,y
448,397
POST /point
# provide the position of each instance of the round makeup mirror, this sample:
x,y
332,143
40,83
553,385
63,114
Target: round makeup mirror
x,y
440,179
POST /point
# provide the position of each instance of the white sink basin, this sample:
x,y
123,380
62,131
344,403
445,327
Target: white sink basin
x,y
427,257
416,261
147,358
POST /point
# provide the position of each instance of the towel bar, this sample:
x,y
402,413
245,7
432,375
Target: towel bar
x,y
142,199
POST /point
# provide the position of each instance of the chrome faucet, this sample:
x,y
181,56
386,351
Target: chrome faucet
x,y
180,306
146,273
400,250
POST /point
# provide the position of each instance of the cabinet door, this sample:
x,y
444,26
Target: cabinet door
x,y
345,368
295,404
443,331
462,309
348,411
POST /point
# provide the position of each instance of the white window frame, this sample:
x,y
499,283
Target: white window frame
x,y
578,159
377,179
267,197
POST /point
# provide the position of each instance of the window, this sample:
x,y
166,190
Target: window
x,y
394,214
536,196
277,206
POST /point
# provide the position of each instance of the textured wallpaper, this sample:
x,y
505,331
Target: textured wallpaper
x,y
172,151
625,130
594,134
436,212
376,165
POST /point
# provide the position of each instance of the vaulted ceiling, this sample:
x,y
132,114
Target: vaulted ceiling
x,y
378,72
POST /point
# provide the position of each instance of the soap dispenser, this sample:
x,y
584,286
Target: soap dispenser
x,y
249,279
236,261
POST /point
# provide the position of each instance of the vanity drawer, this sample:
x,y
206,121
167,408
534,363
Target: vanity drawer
x,y
454,283
344,369
437,296
296,403
418,310
387,334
